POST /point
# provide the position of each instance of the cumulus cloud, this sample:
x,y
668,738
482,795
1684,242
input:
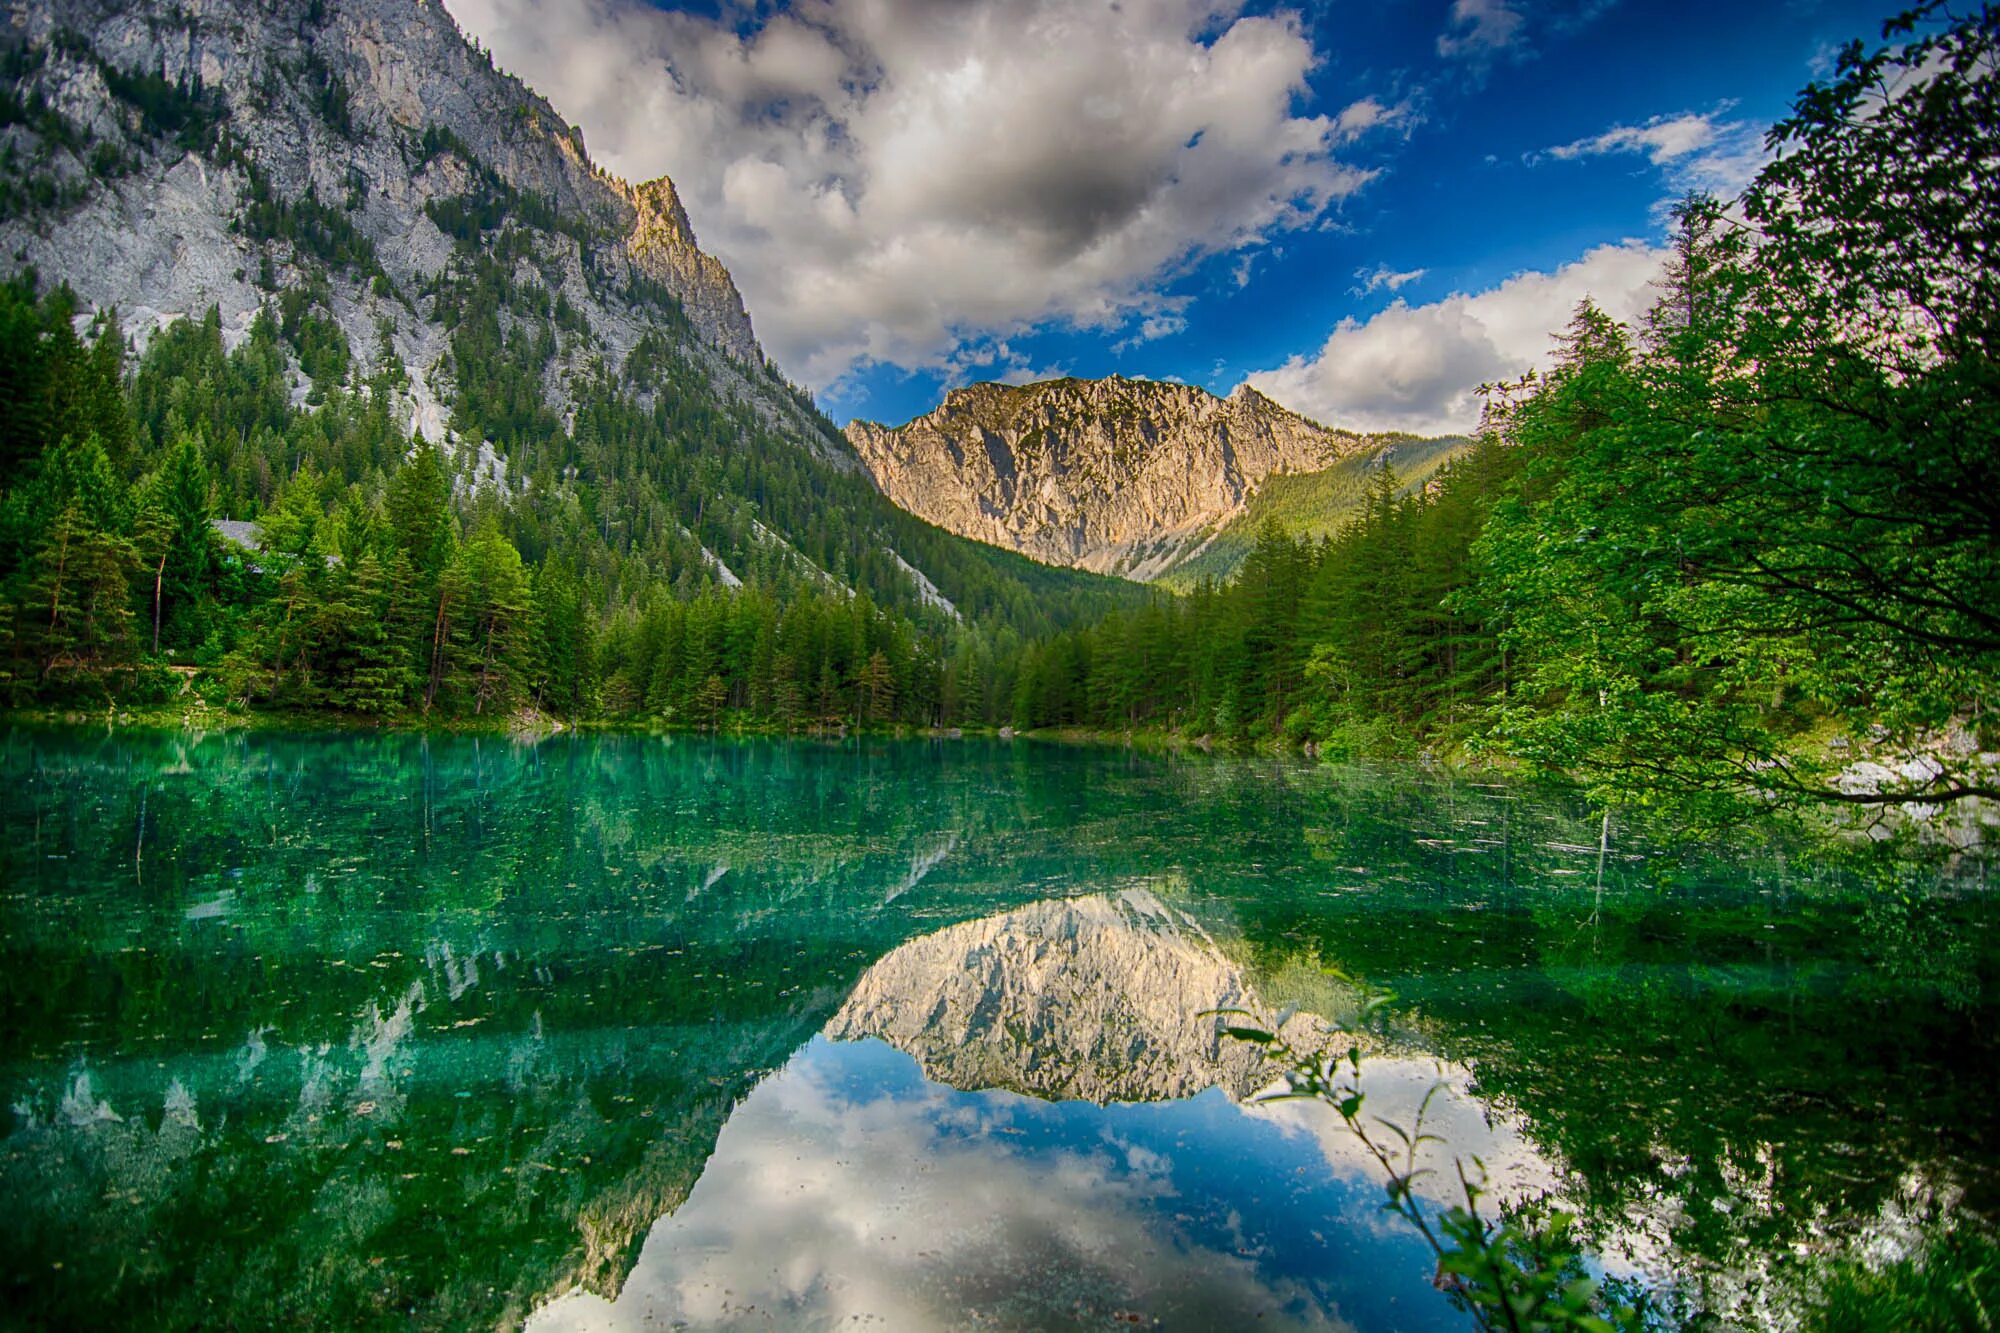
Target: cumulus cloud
x,y
1418,368
1697,150
887,178
827,1205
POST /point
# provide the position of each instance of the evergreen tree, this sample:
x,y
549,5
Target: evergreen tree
x,y
75,615
420,510
180,501
875,688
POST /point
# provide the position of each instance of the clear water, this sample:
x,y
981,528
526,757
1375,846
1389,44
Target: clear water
x,y
619,1033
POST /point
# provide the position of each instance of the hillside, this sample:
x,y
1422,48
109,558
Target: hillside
x,y
1315,504
1119,476
334,233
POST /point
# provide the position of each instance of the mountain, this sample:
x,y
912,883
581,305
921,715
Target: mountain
x,y
349,210
355,144
1119,476
1100,998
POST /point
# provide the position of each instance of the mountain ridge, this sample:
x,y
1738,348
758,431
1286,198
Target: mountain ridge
x,y
377,120
426,238
1116,475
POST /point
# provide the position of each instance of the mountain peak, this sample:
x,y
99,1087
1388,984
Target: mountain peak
x,y
662,243
1114,475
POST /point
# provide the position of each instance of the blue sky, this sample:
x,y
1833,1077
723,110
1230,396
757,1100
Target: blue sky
x,y
1363,209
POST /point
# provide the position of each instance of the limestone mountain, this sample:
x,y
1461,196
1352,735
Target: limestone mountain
x,y
1101,998
1119,476
422,233
374,128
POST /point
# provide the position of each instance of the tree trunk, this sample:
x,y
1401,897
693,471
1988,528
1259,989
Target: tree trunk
x,y
159,578
437,654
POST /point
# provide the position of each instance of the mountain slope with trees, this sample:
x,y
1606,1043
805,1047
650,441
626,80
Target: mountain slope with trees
x,y
495,432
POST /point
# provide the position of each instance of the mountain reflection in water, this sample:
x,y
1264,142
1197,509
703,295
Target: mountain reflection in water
x,y
856,1188
365,1032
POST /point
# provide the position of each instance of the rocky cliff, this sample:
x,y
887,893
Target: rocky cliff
x,y
1117,476
171,158
1096,998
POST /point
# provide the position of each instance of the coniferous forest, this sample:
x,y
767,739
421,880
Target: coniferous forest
x,y
1684,560
184,526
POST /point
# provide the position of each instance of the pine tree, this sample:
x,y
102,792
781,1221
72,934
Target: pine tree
x,y
875,688
181,498
372,673
76,612
420,510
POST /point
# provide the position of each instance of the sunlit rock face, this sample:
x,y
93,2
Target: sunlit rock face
x,y
1118,476
1099,998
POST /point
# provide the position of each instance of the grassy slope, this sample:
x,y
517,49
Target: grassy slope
x,y
1315,504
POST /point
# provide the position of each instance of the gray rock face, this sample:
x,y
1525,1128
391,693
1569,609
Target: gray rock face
x,y
1116,476
661,243
1093,998
376,113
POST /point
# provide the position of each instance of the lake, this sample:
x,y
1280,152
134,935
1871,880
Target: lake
x,y
357,1031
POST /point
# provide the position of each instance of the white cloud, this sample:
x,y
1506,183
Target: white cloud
x,y
1417,368
1152,328
1663,139
826,1204
992,359
1375,279
1697,150
1479,30
886,178
1358,118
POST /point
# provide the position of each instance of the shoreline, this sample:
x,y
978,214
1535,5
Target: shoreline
x,y
535,726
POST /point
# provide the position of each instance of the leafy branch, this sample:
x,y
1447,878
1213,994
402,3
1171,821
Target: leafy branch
x,y
1520,1272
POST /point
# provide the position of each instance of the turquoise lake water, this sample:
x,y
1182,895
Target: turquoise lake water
x,y
359,1031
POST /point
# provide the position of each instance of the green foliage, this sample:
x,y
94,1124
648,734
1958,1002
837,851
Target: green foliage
x,y
370,575
1349,642
175,536
1523,1272
179,110
1680,561
1951,1284
1779,513
329,96
1316,504
51,383
315,229
1746,528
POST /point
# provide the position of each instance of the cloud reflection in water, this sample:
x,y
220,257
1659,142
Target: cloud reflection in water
x,y
851,1189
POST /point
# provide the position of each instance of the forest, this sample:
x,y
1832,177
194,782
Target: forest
x,y
1695,556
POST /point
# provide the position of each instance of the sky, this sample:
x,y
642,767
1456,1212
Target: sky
x,y
1363,208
